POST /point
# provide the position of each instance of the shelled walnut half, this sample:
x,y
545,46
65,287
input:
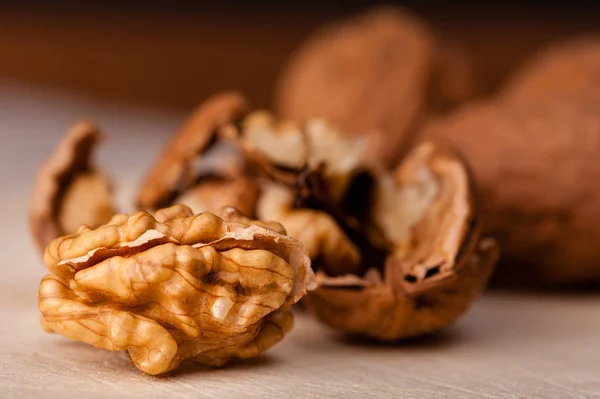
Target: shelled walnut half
x,y
398,253
175,286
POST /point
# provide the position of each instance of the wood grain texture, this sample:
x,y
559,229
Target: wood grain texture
x,y
507,346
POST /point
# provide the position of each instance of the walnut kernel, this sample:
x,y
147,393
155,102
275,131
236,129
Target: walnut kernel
x,y
175,286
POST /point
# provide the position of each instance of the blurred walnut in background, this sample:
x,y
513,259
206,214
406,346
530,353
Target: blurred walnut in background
x,y
534,148
386,75
174,286
380,73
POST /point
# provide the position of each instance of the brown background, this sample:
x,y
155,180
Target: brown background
x,y
172,54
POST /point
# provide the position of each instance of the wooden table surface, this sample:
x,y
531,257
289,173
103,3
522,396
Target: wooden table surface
x,y
507,346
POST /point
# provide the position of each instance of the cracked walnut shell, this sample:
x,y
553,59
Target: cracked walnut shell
x,y
435,264
175,286
191,155
536,165
398,254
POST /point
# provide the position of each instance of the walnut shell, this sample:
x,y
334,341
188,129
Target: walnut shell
x,y
239,192
185,158
285,150
534,165
69,191
402,247
568,68
174,287
436,266
379,73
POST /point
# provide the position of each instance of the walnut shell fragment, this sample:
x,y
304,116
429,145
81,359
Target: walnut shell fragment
x,y
191,154
175,286
69,191
436,264
380,74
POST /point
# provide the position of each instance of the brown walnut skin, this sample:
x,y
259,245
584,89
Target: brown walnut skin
x,y
437,265
380,73
173,173
175,286
68,190
536,166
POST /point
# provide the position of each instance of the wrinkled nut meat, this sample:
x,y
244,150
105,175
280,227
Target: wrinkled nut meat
x,y
69,191
380,73
175,286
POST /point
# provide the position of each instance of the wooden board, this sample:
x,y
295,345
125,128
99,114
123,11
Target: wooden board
x,y
507,346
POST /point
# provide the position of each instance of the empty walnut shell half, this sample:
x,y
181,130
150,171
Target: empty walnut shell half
x,y
379,73
192,157
69,191
436,265
175,286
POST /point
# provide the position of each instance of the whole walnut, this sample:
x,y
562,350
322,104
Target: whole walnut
x,y
380,73
534,151
567,68
175,286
